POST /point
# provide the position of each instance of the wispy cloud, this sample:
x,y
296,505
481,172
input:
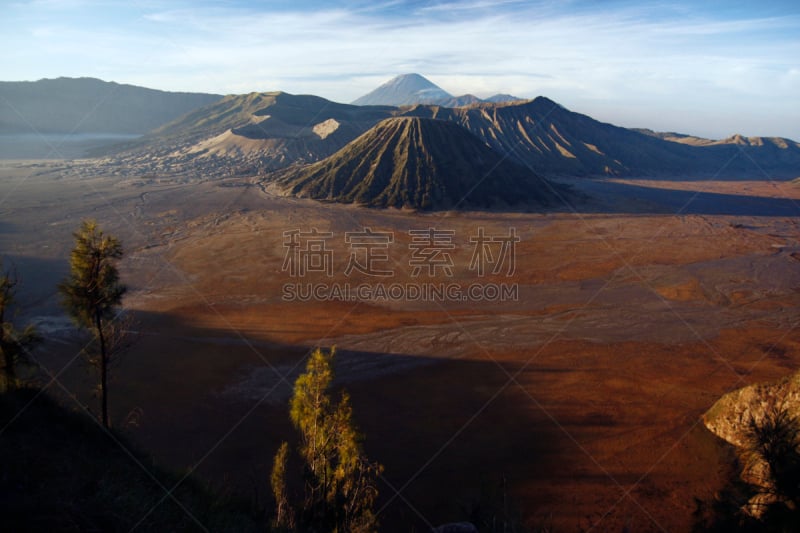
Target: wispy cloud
x,y
468,6
623,62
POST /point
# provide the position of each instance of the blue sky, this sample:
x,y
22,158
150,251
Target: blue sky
x,y
706,68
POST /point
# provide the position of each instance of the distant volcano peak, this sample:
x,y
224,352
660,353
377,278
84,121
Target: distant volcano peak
x,y
414,89
406,89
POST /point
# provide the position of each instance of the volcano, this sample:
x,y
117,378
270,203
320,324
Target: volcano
x,y
421,163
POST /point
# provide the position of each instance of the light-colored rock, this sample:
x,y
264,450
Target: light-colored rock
x,y
325,128
730,417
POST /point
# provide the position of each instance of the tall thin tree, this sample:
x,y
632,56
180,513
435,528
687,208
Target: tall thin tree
x,y
92,295
284,519
340,482
14,344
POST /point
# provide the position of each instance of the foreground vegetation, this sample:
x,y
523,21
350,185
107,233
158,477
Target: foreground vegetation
x,y
764,490
63,471
67,471
92,295
340,483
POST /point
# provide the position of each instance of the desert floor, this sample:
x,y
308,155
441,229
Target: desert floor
x,y
583,397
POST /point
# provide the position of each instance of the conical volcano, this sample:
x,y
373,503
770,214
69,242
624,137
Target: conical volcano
x,y
421,163
406,89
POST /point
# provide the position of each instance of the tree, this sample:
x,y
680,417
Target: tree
x,y
772,463
14,344
92,295
765,496
339,481
283,511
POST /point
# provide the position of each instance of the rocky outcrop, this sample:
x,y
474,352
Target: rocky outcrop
x,y
730,416
732,419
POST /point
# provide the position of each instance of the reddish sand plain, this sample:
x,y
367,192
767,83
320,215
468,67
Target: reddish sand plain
x,y
582,397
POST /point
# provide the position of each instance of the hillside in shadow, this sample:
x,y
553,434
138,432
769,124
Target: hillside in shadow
x,y
607,196
219,402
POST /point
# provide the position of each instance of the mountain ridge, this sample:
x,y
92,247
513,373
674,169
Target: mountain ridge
x,y
90,105
553,140
415,89
259,131
420,163
262,132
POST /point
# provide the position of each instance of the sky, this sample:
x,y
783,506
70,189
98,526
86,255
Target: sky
x,y
707,68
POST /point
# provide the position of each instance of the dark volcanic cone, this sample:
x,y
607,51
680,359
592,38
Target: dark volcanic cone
x,y
421,163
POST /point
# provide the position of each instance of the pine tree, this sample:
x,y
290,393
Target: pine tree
x,y
339,481
283,511
92,295
14,344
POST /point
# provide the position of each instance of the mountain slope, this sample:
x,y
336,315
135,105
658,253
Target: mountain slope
x,y
551,139
265,115
65,473
502,98
88,105
460,101
413,89
261,132
421,164
405,89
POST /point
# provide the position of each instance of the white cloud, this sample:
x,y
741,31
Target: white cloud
x,y
620,59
